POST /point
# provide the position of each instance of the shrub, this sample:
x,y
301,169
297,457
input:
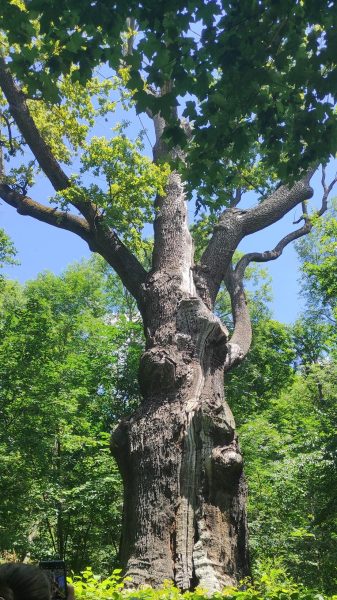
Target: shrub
x,y
273,584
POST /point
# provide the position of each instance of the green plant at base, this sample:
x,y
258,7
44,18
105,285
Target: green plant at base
x,y
271,583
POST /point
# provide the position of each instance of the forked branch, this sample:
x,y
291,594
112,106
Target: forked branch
x,y
240,341
234,224
292,236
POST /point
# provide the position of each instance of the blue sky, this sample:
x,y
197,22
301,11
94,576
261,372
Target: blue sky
x,y
42,247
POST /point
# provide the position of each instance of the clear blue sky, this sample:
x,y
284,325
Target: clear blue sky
x,y
42,247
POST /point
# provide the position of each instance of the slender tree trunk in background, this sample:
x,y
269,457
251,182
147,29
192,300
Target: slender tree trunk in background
x,y
184,489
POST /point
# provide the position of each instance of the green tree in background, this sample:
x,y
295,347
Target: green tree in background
x,y
290,454
319,266
65,354
7,250
290,445
241,97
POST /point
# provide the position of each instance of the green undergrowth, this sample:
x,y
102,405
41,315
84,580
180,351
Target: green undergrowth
x,y
273,584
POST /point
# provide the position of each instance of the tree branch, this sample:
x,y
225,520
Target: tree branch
x,y
236,198
290,237
10,136
98,237
239,344
41,150
63,220
20,112
101,239
234,224
273,254
277,205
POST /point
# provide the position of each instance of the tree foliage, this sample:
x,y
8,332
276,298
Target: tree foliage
x,y
282,117
65,380
242,96
271,583
7,250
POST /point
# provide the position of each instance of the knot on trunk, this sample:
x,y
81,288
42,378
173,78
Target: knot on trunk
x,y
157,372
119,445
226,459
199,327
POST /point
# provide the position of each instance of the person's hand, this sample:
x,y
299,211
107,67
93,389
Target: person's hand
x,y
71,592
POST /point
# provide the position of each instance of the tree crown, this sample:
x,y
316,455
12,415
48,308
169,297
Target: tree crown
x,y
256,80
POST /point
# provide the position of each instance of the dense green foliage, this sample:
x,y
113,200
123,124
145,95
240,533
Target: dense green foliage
x,y
291,469
256,83
67,368
69,352
318,254
274,584
7,250
197,54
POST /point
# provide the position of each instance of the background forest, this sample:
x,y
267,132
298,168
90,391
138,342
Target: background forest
x,y
69,349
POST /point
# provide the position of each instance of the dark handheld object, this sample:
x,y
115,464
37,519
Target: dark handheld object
x,y
56,573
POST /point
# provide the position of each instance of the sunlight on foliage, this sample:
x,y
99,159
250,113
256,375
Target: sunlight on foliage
x,y
68,122
128,184
271,583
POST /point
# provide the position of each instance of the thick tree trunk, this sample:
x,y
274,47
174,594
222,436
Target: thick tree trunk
x,y
184,502
184,489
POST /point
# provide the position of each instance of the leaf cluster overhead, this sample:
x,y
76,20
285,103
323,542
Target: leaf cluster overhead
x,y
257,80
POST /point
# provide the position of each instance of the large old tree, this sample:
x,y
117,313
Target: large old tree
x,y
242,97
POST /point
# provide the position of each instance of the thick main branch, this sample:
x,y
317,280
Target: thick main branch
x,y
64,220
93,229
234,224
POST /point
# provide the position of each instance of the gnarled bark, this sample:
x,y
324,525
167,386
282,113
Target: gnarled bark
x,y
184,488
184,501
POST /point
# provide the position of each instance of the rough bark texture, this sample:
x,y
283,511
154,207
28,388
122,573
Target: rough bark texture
x,y
184,509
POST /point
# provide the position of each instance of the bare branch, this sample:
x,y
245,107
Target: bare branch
x,y
303,215
236,198
131,25
272,254
63,220
239,344
234,224
290,237
326,191
10,136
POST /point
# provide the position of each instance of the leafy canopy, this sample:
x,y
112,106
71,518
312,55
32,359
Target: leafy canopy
x,y
257,80
111,170
68,358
